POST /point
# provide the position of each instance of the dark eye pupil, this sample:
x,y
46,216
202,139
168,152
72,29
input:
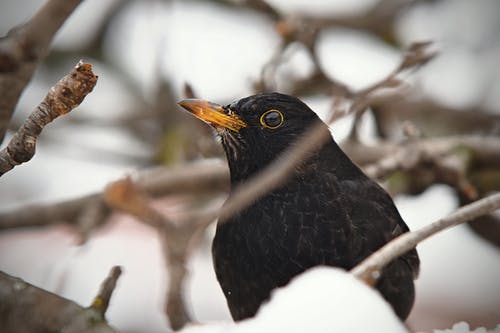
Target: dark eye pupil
x,y
272,119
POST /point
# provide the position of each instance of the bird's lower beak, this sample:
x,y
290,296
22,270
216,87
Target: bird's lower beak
x,y
213,114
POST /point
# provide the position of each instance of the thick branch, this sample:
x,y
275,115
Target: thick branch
x,y
67,94
368,270
25,308
23,48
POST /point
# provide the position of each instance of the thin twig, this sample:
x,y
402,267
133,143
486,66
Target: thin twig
x,y
67,94
101,301
368,269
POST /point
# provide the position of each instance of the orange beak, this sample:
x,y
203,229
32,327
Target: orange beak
x,y
213,114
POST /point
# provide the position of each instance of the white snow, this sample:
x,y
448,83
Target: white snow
x,y
463,327
323,299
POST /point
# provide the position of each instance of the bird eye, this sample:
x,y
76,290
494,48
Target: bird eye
x,y
272,119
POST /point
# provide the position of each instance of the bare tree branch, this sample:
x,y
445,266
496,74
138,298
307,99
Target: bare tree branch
x,y
23,48
369,269
67,94
26,308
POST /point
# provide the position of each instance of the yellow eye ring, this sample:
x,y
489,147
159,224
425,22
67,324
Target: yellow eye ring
x,y
272,119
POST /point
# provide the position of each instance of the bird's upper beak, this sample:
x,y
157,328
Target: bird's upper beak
x,y
213,114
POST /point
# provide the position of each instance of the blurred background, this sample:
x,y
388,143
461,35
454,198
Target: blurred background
x,y
146,51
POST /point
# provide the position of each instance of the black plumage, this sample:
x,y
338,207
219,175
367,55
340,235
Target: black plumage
x,y
327,213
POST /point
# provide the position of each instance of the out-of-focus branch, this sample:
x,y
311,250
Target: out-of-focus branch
x,y
379,19
368,270
90,216
67,94
89,211
458,161
101,301
26,308
305,29
431,117
46,214
416,55
23,48
381,159
124,195
409,155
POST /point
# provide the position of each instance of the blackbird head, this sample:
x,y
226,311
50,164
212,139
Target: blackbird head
x,y
254,130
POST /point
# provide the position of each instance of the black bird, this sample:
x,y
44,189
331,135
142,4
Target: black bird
x,y
327,213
